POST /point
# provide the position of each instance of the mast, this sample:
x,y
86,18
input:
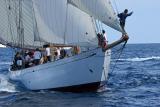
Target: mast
x,y
20,27
17,24
66,23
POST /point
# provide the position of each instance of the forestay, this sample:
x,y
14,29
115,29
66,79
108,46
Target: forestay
x,y
99,9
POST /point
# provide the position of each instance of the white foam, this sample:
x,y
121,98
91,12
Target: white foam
x,y
5,86
141,59
5,63
103,89
2,46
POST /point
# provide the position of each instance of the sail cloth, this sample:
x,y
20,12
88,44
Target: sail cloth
x,y
61,23
51,21
9,24
80,28
99,9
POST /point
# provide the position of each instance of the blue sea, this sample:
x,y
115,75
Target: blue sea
x,y
134,81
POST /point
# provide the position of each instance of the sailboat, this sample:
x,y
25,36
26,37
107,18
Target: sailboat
x,y
29,24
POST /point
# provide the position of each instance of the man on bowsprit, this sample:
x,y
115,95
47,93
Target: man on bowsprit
x,y
122,18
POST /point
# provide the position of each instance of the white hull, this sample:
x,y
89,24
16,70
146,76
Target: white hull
x,y
86,68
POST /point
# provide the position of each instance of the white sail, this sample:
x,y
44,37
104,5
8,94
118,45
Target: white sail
x,y
9,23
50,18
61,23
51,21
80,28
100,9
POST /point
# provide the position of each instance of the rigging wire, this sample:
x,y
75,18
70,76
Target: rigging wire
x,y
119,55
16,10
66,19
20,26
35,26
9,15
114,66
100,26
8,8
116,6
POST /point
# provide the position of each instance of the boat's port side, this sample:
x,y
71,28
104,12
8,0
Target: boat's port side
x,y
78,73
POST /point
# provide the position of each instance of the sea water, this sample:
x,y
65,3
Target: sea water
x,y
134,81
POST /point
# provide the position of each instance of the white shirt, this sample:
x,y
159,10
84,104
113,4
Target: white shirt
x,y
69,52
19,62
27,58
37,55
105,36
48,51
58,52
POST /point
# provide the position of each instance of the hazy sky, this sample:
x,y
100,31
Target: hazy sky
x,y
144,25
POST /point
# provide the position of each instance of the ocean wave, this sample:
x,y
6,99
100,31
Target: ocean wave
x,y
5,63
156,64
140,59
5,86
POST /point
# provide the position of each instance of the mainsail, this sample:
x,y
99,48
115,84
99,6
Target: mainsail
x,y
9,23
32,23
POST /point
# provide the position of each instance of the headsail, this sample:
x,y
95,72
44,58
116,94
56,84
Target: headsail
x,y
80,28
99,9
61,23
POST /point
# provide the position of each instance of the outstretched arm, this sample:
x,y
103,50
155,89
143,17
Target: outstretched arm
x,y
130,14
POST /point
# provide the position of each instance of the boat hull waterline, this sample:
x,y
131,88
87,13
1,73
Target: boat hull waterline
x,y
84,72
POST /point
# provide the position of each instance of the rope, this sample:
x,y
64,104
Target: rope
x,y
66,19
9,15
120,53
8,8
116,6
35,26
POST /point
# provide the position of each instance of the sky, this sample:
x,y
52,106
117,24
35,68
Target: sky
x,y
144,25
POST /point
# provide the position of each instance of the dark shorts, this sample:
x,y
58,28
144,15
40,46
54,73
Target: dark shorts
x,y
122,24
36,61
49,58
